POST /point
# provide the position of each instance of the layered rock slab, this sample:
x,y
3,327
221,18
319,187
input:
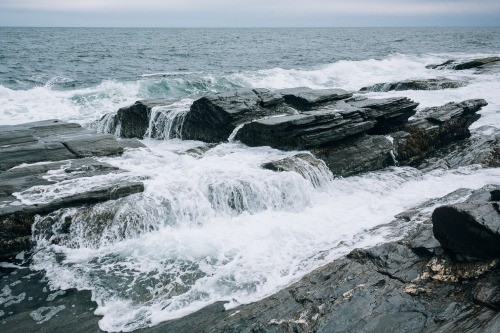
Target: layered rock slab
x,y
424,84
45,166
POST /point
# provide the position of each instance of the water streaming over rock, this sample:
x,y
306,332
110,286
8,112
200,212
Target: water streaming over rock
x,y
214,225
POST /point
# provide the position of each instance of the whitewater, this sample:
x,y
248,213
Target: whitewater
x,y
215,226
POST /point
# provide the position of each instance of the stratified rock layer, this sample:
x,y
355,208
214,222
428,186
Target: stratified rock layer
x,y
29,188
428,84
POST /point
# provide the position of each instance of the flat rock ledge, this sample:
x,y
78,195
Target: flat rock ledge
x,y
410,285
46,166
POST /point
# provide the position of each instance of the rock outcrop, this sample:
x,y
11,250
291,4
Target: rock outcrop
x,y
428,84
351,134
483,148
434,128
29,188
482,63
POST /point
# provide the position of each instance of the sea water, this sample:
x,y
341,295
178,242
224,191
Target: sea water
x,y
216,226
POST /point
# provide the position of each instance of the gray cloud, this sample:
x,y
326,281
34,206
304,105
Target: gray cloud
x,y
361,7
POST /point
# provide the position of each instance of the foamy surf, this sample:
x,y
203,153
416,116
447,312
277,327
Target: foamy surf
x,y
216,226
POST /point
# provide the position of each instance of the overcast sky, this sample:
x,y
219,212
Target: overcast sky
x,y
249,13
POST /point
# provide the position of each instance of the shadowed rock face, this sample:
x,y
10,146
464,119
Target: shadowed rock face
x,y
471,228
214,118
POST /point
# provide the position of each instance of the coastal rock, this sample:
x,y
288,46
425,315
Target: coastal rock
x,y
307,130
390,113
368,153
482,63
483,148
215,117
52,140
327,124
131,121
428,84
433,128
28,188
306,165
305,98
471,228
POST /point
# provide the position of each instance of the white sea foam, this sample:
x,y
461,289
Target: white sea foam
x,y
219,227
222,228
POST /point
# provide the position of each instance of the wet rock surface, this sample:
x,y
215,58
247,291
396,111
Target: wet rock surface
x,y
481,63
369,134
28,304
428,84
131,121
434,128
471,228
483,148
67,176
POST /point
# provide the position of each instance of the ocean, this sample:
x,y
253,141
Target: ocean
x,y
219,227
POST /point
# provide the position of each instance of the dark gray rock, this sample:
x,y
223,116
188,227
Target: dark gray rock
x,y
471,228
475,63
434,128
17,216
427,84
58,144
214,118
367,153
482,148
53,140
390,113
31,305
132,121
307,130
306,98
306,165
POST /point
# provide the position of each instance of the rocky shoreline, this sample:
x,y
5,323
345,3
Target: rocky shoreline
x,y
441,275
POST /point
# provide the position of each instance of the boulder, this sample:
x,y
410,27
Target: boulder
x,y
481,63
425,84
471,228
131,121
215,117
